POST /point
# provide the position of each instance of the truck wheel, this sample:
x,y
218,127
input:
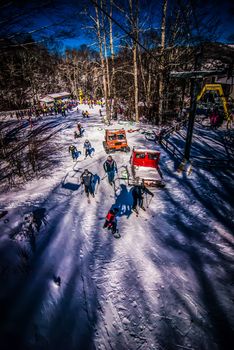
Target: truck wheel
x,y
127,149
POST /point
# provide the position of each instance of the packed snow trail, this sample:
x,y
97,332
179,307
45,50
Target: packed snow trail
x,y
165,284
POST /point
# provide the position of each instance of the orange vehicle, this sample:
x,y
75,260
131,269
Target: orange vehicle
x,y
115,140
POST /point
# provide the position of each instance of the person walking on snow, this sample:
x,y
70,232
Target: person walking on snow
x,y
87,148
137,192
110,168
111,221
86,179
80,129
74,153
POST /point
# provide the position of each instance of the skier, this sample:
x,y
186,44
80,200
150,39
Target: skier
x,y
74,153
137,192
87,148
110,168
100,112
86,114
86,180
76,135
80,129
111,221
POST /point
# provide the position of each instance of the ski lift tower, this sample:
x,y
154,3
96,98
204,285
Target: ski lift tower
x,y
195,77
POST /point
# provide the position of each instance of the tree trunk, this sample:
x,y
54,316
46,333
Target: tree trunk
x,y
135,82
161,77
104,75
134,23
105,53
112,54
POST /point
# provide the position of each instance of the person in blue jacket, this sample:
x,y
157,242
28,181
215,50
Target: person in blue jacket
x,y
87,148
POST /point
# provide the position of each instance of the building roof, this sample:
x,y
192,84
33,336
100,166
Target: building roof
x,y
46,99
59,94
147,150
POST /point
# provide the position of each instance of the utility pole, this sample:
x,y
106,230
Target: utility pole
x,y
193,107
192,114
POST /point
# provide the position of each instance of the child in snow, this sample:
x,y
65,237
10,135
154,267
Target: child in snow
x,y
74,153
110,168
86,180
87,148
138,191
111,221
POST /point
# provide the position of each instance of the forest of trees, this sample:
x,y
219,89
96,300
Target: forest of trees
x,y
131,59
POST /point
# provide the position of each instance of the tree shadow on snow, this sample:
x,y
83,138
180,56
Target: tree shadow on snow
x,y
70,306
189,243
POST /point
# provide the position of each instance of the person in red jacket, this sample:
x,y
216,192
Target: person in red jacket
x,y
111,222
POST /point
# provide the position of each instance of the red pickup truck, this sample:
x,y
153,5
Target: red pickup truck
x,y
144,165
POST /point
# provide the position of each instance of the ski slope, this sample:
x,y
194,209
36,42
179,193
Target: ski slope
x,y
165,284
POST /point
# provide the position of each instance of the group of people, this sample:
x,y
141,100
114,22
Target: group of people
x,y
88,150
110,168
85,114
138,191
44,110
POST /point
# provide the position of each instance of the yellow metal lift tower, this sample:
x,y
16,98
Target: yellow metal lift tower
x,y
219,89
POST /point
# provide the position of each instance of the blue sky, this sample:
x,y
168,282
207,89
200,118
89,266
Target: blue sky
x,y
64,13
222,9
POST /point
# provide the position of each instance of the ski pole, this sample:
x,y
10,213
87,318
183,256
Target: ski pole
x,y
97,187
149,201
82,191
146,199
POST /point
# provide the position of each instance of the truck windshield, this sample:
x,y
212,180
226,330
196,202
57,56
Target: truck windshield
x,y
121,137
112,137
153,156
140,155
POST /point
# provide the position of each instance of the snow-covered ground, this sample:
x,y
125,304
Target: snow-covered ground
x,y
166,284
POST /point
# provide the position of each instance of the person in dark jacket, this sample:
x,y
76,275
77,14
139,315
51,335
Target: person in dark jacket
x,y
86,179
74,153
110,168
138,192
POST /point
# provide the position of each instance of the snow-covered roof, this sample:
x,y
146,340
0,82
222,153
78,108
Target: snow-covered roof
x,y
145,150
115,130
59,94
46,99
